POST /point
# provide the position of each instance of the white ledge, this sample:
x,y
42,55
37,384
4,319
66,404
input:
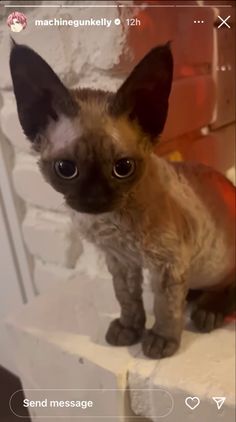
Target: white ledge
x,y
57,341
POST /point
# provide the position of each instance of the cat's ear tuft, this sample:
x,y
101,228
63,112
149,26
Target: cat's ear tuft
x,y
144,95
40,94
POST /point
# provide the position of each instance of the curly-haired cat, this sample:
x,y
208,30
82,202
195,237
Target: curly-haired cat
x,y
176,219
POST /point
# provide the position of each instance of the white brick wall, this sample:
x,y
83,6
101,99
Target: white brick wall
x,y
50,236
47,275
78,59
30,185
10,123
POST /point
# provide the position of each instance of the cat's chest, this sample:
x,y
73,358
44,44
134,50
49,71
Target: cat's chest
x,y
108,233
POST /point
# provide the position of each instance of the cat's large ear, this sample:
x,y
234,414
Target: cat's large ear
x,y
144,95
40,95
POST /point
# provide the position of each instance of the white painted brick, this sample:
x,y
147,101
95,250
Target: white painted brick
x,y
90,50
58,341
36,38
71,56
200,368
10,124
50,236
84,360
48,275
30,185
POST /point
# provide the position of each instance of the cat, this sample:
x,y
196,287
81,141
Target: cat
x,y
177,219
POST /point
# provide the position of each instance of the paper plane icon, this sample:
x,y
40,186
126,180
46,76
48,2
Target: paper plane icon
x,y
219,401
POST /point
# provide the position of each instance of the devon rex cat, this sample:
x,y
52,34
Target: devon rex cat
x,y
176,219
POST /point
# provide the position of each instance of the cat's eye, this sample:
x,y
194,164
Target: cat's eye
x,y
123,168
66,169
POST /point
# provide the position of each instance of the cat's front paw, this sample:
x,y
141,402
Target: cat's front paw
x,y
157,347
118,335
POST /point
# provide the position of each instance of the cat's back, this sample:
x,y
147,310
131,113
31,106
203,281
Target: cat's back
x,y
215,191
212,203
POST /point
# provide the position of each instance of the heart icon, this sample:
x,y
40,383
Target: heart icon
x,y
192,402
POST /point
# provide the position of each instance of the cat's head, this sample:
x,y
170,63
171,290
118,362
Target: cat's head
x,y
93,145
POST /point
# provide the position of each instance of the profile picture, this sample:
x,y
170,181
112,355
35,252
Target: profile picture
x,y
17,21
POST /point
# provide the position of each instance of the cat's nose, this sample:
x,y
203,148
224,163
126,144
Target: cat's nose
x,y
97,192
97,198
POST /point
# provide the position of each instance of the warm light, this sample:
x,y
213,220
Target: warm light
x,y
223,68
205,131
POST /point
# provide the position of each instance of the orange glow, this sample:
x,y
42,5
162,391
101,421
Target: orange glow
x,y
147,22
200,93
231,317
148,28
186,71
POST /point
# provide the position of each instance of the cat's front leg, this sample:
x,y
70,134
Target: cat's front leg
x,y
127,281
169,303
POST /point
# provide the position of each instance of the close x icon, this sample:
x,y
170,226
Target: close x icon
x,y
222,22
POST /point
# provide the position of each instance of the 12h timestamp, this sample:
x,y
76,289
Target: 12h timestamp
x,y
133,22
